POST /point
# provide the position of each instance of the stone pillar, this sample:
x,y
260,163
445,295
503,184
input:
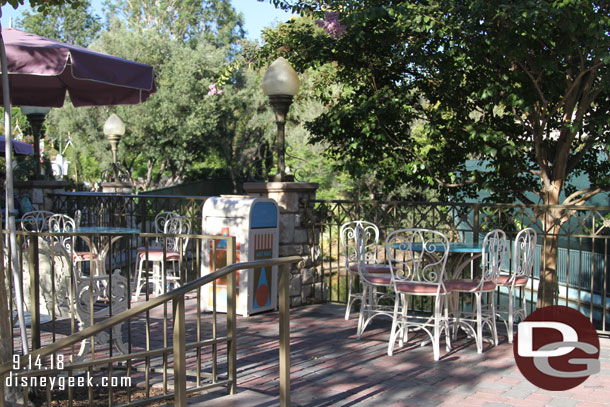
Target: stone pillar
x,y
293,198
39,192
117,187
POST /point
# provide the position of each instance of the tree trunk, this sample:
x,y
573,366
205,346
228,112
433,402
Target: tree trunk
x,y
548,287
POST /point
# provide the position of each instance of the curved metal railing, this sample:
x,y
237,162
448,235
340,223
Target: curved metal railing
x,y
177,297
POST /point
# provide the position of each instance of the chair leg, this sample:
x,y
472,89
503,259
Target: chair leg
x,y
511,315
159,277
394,326
350,298
437,329
139,282
479,333
363,311
455,308
447,325
492,317
175,277
404,330
522,311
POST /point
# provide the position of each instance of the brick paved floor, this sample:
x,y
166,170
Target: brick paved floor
x,y
331,367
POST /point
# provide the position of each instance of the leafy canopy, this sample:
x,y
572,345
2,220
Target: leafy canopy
x,y
507,96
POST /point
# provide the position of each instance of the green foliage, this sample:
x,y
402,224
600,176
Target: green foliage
x,y
43,6
188,43
184,131
213,21
520,87
89,153
74,25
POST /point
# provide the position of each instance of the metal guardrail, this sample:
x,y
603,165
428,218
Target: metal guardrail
x,y
583,253
103,209
178,349
581,260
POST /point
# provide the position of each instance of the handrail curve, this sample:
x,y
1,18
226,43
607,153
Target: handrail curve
x,y
150,304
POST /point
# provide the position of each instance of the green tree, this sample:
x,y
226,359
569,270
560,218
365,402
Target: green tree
x,y
188,43
212,20
89,153
73,25
520,86
243,130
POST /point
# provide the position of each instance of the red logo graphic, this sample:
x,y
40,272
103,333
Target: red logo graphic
x,y
556,348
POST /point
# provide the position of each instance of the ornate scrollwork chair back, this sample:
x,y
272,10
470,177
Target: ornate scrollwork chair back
x,y
418,258
523,258
359,241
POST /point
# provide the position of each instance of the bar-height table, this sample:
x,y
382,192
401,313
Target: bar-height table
x,y
109,236
461,249
102,286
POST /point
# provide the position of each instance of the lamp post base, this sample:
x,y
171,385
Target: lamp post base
x,y
281,178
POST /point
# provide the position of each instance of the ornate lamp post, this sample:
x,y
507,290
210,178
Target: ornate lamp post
x,y
280,84
116,178
114,128
36,116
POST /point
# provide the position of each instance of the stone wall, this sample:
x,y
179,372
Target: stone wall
x,y
293,198
40,191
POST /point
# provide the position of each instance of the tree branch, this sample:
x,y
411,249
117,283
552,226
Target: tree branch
x,y
574,84
534,81
582,196
521,196
576,158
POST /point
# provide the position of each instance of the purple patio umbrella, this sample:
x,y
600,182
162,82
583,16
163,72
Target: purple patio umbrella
x,y
38,71
41,71
19,147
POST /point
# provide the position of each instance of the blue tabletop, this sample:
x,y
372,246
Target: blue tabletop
x,y
106,230
460,247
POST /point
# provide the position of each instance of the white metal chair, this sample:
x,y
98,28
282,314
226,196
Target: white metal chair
x,y
524,250
418,259
152,246
36,221
494,249
61,223
370,234
159,225
171,251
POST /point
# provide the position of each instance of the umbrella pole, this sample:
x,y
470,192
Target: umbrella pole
x,y
10,203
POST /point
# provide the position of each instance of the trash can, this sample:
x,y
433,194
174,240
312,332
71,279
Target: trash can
x,y
255,224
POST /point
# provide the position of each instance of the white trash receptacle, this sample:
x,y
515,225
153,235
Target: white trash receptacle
x,y
255,224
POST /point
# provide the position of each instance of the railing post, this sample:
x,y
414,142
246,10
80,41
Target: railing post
x,y
284,305
5,327
179,353
476,226
232,317
34,291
